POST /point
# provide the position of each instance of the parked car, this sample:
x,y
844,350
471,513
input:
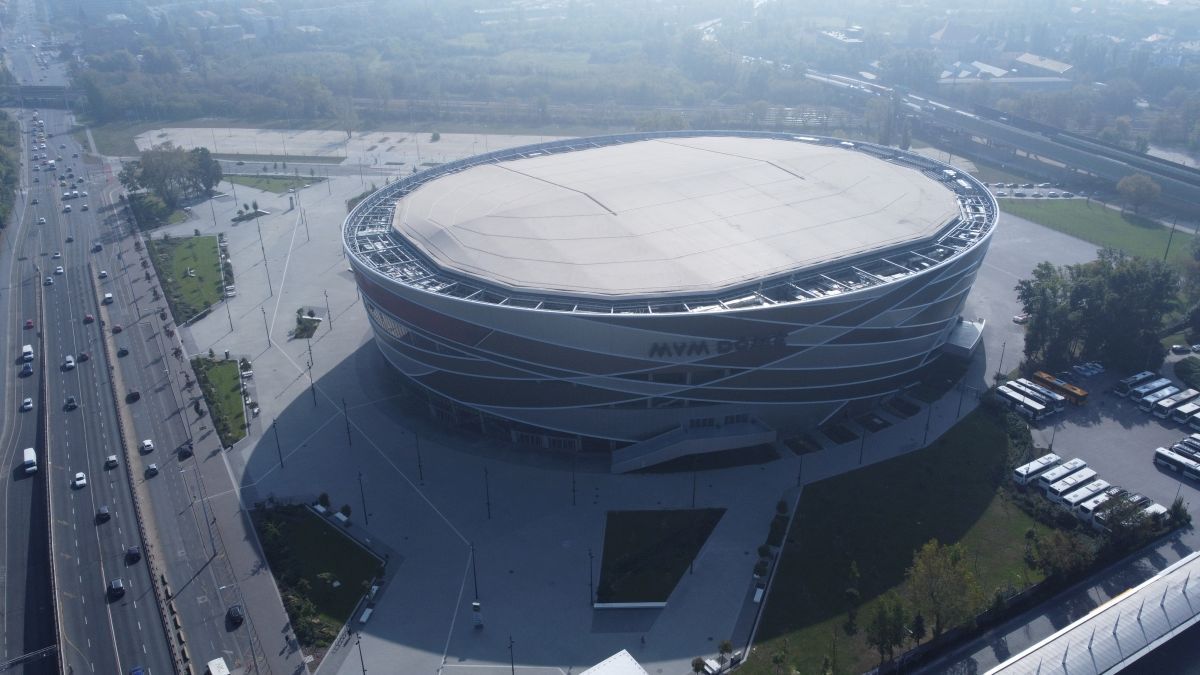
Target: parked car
x,y
1021,319
1180,349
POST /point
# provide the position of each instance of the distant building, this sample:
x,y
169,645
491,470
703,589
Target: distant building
x,y
953,35
1034,65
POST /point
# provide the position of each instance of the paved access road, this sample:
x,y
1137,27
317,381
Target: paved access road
x,y
200,577
101,634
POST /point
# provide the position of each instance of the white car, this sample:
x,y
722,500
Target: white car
x,y
103,274
27,404
80,480
41,221
152,470
69,362
147,445
110,462
57,255
58,270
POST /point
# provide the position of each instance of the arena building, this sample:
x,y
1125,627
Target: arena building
x,y
661,294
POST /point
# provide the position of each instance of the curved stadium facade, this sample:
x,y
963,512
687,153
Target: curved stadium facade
x,y
666,293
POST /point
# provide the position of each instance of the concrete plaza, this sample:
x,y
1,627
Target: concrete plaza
x,y
425,495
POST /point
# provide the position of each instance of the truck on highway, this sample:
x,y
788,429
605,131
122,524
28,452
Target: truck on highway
x,y
30,462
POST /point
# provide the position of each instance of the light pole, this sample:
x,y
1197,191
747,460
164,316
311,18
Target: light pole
x,y
512,664
278,447
420,465
361,663
591,586
474,572
229,314
266,326
363,494
262,247
487,493
328,312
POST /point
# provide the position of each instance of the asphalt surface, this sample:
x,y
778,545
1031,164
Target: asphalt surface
x,y
27,618
101,634
200,577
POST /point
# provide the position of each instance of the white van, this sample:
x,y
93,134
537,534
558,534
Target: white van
x,y
30,462
27,353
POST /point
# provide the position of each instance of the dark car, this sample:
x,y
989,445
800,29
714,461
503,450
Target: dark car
x,y
117,328
116,589
122,351
71,403
70,239
235,616
103,514
133,396
185,450
133,554
83,356
26,370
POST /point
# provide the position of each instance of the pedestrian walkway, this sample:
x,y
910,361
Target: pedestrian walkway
x,y
1121,631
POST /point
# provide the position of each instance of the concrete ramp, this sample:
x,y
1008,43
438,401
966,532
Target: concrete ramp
x,y
684,441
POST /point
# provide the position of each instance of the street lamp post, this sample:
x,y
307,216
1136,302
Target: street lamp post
x,y
487,493
361,662
591,586
420,465
278,447
363,494
266,326
474,572
328,312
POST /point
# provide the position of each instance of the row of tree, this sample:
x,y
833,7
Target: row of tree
x,y
172,174
1110,309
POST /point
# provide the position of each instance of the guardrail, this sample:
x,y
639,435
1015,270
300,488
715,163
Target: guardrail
x,y
157,579
44,422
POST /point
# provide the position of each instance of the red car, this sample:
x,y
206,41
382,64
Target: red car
x,y
88,318
117,329
29,323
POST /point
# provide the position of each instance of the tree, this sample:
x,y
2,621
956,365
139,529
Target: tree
x,y
697,665
1128,524
1063,553
877,632
208,170
1138,189
725,649
940,584
1178,514
1071,309
918,628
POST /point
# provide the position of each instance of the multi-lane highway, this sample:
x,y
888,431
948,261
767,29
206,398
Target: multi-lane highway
x,y
26,605
102,632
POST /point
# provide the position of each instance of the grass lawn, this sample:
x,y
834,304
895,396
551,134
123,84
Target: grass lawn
x,y
877,517
1103,226
307,554
188,294
646,552
273,183
222,387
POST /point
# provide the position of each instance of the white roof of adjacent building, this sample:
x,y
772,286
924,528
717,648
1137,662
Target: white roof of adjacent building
x,y
621,663
669,215
1044,63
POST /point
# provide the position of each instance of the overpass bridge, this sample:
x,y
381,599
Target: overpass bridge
x,y
39,96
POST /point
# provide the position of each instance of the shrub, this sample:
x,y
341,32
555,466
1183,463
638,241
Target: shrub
x,y
323,499
345,510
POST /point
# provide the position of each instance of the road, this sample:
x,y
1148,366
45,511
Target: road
x,y
101,634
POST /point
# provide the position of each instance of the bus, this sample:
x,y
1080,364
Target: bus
x,y
1076,497
1074,394
1027,472
1097,503
1031,393
1057,400
1184,413
1146,388
1060,472
1021,404
1126,385
1164,407
1056,491
1173,461
1147,403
